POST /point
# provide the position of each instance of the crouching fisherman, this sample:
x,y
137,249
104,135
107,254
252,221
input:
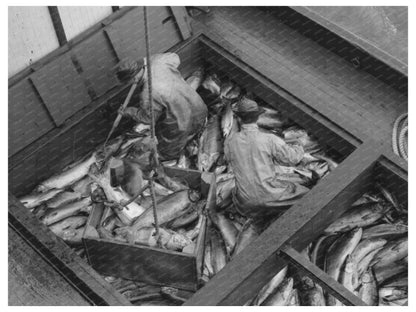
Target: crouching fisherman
x,y
179,112
255,158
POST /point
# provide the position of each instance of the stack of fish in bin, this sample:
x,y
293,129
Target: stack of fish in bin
x,y
63,201
366,250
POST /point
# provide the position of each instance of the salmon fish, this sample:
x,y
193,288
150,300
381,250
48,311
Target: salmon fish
x,y
271,119
73,222
62,199
73,236
382,274
224,192
218,254
212,84
189,216
168,208
68,177
282,295
32,200
183,161
368,291
391,252
311,294
339,251
169,239
385,230
393,293
294,298
83,186
248,234
228,232
210,144
195,79
400,281
365,247
349,275
225,88
270,287
362,266
63,212
359,216
227,120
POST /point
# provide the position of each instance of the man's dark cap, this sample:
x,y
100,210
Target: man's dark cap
x,y
246,107
126,69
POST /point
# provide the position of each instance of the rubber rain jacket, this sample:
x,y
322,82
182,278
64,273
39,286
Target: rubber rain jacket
x,y
255,157
179,111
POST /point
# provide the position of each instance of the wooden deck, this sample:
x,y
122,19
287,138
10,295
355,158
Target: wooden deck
x,y
34,282
354,99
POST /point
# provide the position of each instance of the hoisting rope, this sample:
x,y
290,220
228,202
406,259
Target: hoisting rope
x,y
399,138
152,122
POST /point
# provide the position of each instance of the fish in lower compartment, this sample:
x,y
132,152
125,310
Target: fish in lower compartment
x,y
34,199
66,178
58,214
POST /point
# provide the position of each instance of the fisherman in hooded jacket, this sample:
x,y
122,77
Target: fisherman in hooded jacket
x,y
179,112
255,157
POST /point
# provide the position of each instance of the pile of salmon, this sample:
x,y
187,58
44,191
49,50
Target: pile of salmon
x,y
367,255
366,250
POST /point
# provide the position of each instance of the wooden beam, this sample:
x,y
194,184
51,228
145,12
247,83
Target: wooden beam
x,y
319,276
244,276
53,250
57,25
181,18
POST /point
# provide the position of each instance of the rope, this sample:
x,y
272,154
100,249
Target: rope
x,y
399,143
152,122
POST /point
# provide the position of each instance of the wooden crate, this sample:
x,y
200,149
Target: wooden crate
x,y
147,264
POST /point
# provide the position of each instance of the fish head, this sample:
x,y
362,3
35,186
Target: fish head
x,y
349,265
41,188
367,277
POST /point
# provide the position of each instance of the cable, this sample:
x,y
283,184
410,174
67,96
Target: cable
x,y
152,122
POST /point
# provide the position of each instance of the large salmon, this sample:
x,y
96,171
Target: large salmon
x,y
63,212
270,287
68,177
34,199
168,208
210,144
359,216
282,295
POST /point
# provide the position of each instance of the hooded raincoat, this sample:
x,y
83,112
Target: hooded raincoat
x,y
255,157
179,111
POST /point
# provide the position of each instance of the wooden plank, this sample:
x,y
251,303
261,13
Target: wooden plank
x,y
61,88
319,276
57,25
97,61
62,258
352,98
33,282
127,34
182,20
328,132
244,276
28,117
354,39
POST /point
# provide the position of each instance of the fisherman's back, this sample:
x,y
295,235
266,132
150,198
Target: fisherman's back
x,y
252,155
183,112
